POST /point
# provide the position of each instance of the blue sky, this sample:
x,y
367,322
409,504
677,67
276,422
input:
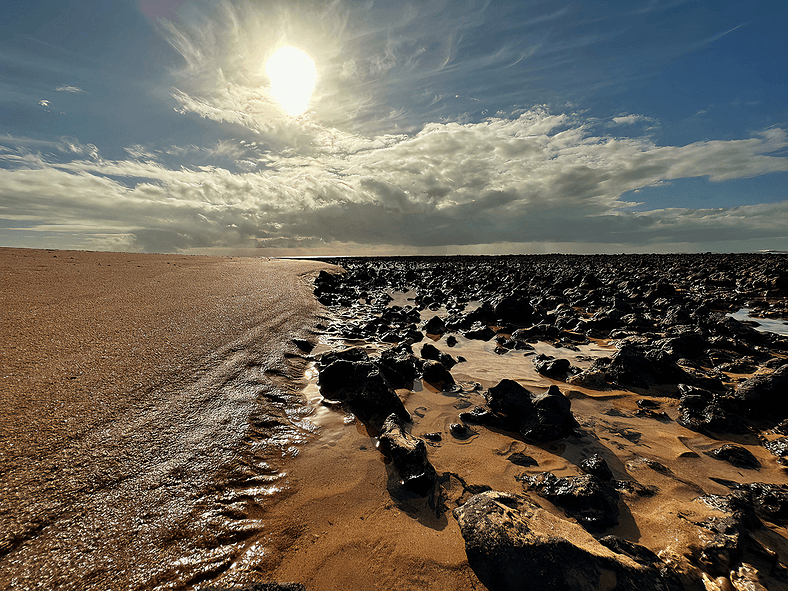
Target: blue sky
x,y
434,126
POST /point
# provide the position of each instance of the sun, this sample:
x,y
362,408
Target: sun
x,y
293,75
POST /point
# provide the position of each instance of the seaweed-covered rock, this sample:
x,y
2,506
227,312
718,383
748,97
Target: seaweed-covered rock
x,y
514,545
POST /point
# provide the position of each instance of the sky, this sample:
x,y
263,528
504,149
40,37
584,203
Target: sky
x,y
434,126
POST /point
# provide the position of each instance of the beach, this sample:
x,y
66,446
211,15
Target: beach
x,y
168,422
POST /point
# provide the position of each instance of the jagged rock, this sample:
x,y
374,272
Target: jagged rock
x,y
409,456
699,410
543,417
586,498
435,374
399,366
514,545
736,456
597,466
778,447
361,387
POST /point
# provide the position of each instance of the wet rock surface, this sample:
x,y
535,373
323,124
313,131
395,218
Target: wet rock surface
x,y
511,545
674,358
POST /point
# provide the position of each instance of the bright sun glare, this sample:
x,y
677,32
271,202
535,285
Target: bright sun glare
x,y
292,74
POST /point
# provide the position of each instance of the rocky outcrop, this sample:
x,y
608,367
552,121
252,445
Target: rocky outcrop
x,y
513,545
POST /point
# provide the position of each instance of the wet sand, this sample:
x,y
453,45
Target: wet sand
x,y
141,397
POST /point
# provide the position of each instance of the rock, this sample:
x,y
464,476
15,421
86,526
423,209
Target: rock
x,y
778,447
700,411
591,379
409,456
514,309
361,387
459,430
552,418
514,545
511,401
349,354
451,340
766,395
303,345
586,498
597,466
551,367
736,456
399,366
479,331
430,351
543,417
520,459
435,326
435,374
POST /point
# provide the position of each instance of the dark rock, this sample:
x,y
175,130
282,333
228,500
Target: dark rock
x,y
586,498
363,389
480,416
435,374
350,354
513,546
451,340
551,367
636,552
700,410
459,430
399,366
589,378
409,456
597,466
520,459
766,395
479,331
511,401
435,326
514,309
552,418
434,437
736,456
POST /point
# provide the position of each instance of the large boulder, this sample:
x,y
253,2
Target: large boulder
x,y
513,545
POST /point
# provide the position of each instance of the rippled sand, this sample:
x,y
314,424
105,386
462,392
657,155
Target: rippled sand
x,y
146,405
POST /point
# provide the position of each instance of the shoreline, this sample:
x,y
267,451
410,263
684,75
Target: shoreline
x,y
280,487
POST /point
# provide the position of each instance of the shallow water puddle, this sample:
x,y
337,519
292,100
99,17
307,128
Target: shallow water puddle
x,y
777,326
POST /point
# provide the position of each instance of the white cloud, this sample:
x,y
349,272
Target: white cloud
x,y
538,178
72,89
